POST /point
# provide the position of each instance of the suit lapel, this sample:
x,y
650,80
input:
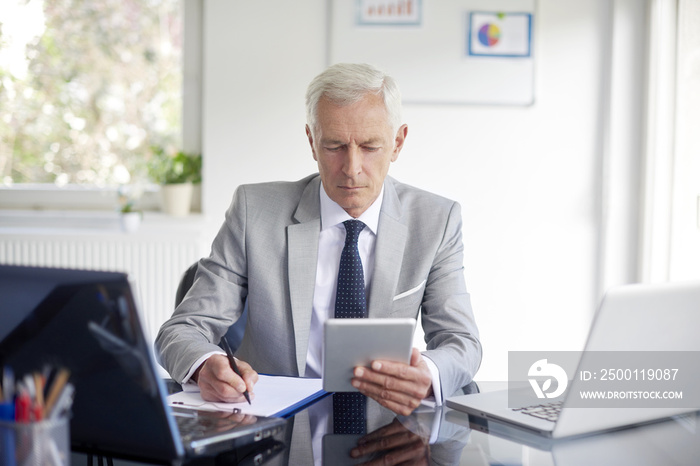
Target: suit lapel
x,y
302,244
389,252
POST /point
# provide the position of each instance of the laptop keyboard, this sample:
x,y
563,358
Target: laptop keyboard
x,y
547,411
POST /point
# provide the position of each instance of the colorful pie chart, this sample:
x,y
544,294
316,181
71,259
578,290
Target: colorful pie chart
x,y
489,34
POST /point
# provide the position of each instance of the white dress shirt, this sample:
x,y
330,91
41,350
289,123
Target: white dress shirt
x,y
330,245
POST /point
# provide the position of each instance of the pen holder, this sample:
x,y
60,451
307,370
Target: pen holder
x,y
43,443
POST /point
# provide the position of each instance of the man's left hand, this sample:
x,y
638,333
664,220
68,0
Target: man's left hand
x,y
397,386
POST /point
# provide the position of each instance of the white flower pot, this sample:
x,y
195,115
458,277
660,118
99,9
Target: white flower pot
x,y
196,205
176,199
130,221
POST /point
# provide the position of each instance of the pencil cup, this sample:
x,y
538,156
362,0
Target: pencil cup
x,y
43,443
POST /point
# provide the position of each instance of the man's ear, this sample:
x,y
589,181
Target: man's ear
x,y
398,141
311,142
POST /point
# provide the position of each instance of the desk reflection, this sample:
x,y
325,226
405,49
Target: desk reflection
x,y
674,441
423,438
442,436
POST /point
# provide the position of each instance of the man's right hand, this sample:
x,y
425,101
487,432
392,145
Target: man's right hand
x,y
218,382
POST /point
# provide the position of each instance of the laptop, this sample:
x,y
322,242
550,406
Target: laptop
x,y
88,322
632,318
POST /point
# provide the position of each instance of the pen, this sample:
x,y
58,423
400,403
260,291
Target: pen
x,y
63,403
234,366
38,405
8,382
23,406
56,389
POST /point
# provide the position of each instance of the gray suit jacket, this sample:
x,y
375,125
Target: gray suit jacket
x,y
266,252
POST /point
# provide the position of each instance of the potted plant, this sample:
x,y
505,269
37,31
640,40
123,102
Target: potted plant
x,y
130,217
175,172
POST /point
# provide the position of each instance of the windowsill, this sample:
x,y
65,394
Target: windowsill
x,y
64,222
49,197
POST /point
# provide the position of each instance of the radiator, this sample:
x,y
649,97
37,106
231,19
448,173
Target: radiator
x,y
154,261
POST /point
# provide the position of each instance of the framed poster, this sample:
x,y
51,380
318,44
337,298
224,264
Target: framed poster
x,y
494,34
441,51
388,13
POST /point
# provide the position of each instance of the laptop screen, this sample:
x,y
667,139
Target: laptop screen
x,y
87,322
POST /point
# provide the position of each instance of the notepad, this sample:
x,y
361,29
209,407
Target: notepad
x,y
275,396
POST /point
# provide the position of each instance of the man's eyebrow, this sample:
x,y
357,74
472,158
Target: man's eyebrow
x,y
332,142
371,141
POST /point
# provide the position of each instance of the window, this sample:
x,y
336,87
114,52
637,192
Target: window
x,y
87,88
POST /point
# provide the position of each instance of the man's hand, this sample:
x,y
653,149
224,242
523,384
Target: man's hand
x,y
396,386
218,382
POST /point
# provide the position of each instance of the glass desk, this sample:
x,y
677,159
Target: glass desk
x,y
442,436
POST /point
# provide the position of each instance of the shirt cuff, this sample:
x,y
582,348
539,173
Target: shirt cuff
x,y
435,376
196,365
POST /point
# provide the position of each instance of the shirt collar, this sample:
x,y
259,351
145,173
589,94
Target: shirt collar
x,y
332,214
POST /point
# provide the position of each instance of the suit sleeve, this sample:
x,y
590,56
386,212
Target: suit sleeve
x,y
451,333
215,300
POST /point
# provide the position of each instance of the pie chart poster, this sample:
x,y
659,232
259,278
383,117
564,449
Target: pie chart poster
x,y
500,34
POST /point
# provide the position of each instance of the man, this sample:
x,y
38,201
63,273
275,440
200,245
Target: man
x,y
279,249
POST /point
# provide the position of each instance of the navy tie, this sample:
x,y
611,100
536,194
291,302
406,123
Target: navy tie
x,y
349,413
350,302
350,298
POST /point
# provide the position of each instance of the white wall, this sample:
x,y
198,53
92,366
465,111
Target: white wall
x,y
527,178
258,59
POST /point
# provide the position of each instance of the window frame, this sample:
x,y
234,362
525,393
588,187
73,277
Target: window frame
x,y
48,196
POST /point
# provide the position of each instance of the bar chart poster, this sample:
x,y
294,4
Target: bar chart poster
x,y
389,12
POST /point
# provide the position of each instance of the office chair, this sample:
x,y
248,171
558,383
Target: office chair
x,y
234,335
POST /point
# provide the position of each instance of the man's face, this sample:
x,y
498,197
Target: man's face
x,y
353,147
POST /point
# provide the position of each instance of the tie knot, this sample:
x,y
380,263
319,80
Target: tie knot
x,y
352,229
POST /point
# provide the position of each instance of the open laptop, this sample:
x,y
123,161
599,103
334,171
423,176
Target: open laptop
x,y
631,318
87,322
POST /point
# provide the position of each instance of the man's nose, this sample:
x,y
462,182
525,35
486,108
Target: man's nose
x,y
353,161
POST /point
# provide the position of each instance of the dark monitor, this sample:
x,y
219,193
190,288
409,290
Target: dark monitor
x,y
87,322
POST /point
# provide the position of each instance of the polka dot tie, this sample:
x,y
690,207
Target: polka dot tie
x,y
349,413
350,298
350,302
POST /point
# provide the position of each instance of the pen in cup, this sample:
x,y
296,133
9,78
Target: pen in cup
x,y
28,435
8,383
56,389
234,366
63,404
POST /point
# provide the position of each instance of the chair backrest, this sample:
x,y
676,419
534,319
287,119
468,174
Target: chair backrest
x,y
234,335
185,283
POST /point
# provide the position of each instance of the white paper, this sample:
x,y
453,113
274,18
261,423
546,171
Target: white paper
x,y
274,396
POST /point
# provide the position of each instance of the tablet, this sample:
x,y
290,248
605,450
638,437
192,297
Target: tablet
x,y
348,343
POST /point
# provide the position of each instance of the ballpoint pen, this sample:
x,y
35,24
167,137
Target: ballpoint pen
x,y
234,366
